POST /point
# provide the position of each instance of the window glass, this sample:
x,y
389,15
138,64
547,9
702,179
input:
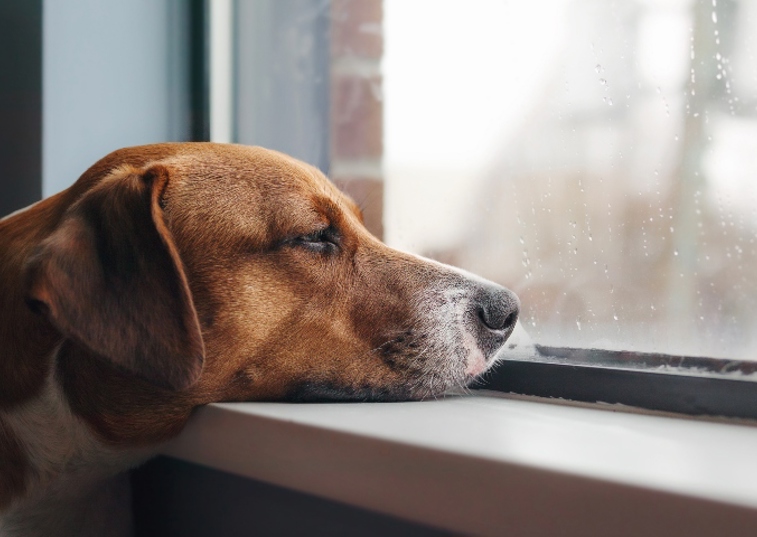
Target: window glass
x,y
598,157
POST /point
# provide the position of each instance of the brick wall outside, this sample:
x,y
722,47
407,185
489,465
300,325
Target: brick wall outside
x,y
357,125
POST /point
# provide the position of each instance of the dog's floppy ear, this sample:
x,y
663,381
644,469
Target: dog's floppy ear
x,y
110,278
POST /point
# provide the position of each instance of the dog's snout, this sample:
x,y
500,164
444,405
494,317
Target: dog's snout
x,y
497,309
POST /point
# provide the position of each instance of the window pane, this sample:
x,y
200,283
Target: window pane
x,y
599,158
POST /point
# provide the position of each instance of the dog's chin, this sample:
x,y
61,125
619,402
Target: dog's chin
x,y
453,379
433,387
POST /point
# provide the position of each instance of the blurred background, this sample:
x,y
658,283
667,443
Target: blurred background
x,y
599,158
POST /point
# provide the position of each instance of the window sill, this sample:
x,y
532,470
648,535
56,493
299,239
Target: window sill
x,y
478,464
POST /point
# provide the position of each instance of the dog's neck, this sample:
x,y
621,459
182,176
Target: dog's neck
x,y
66,468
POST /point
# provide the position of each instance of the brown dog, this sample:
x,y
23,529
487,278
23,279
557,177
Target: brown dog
x,y
174,275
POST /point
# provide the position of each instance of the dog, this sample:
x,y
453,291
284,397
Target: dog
x,y
170,276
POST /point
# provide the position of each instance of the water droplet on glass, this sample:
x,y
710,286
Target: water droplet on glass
x,y
598,69
603,81
714,17
675,252
656,172
615,317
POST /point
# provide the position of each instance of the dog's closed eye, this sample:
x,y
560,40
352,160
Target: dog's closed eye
x,y
324,240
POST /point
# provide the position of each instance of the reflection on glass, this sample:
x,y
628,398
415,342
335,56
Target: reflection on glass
x,y
599,158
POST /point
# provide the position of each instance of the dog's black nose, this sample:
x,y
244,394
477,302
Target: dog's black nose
x,y
497,308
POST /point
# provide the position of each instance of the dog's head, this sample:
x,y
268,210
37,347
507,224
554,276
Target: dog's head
x,y
238,273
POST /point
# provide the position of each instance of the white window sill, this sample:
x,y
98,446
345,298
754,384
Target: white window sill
x,y
490,464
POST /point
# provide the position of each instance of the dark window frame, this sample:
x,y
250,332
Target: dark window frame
x,y
688,385
20,104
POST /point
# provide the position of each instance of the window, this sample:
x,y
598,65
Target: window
x,y
597,157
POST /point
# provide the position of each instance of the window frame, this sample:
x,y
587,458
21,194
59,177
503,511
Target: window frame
x,y
20,104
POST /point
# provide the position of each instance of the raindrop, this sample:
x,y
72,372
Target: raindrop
x,y
615,317
578,324
714,17
675,252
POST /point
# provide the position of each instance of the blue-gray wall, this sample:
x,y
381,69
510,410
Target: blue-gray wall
x,y
115,73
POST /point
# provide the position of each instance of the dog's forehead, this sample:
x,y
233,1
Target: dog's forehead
x,y
252,190
252,169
